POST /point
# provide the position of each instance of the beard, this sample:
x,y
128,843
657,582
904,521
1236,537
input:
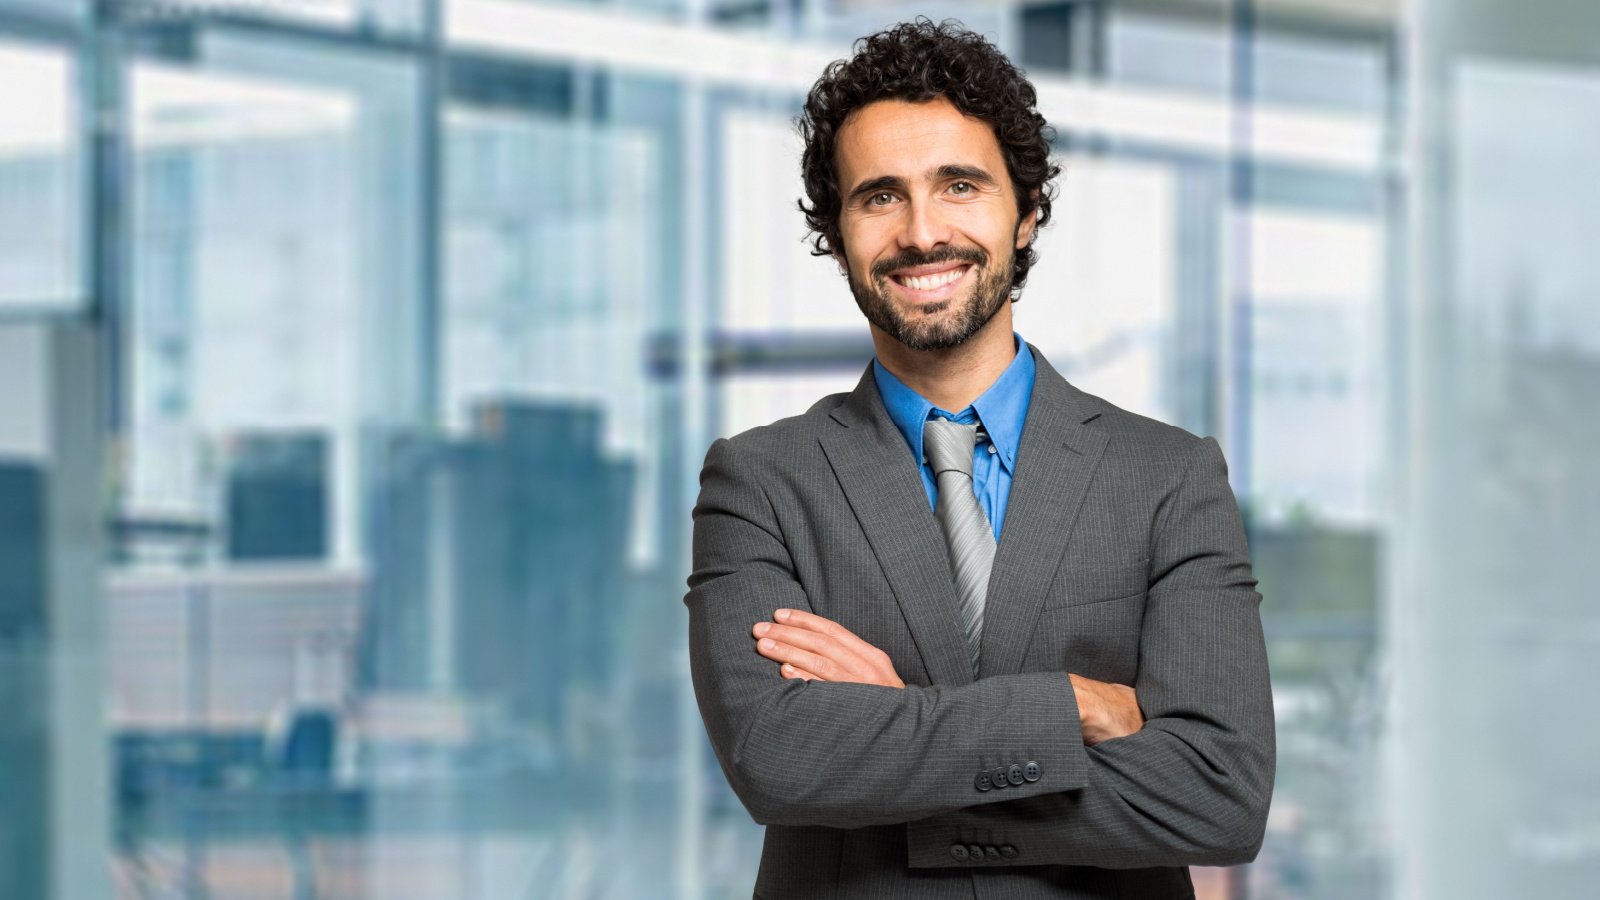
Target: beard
x,y
934,326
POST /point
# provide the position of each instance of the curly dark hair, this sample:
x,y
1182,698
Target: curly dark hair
x,y
918,61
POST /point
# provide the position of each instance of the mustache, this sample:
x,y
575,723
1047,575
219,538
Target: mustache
x,y
908,258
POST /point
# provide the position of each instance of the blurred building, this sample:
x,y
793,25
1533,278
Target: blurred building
x,y
277,497
498,567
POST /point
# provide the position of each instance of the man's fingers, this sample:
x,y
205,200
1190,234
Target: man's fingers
x,y
823,649
790,671
817,642
799,618
777,651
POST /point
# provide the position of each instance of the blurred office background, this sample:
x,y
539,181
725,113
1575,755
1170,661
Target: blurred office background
x,y
358,359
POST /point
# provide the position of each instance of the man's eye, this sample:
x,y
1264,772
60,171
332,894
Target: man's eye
x,y
962,187
880,199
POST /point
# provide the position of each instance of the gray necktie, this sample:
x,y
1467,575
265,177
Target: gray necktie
x,y
967,533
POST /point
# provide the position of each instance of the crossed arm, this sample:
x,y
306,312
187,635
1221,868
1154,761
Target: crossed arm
x,y
1190,786
809,647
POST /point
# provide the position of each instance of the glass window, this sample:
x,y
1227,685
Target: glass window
x,y
554,281
41,178
1497,576
272,357
1318,364
1344,76
760,399
1186,55
353,15
1101,301
246,277
769,280
50,9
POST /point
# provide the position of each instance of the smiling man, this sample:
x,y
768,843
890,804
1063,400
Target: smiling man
x,y
967,630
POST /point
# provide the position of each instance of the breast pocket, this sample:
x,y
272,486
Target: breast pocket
x,y
1077,585
1091,622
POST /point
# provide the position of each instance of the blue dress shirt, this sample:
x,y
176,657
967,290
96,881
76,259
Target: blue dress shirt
x,y
1001,410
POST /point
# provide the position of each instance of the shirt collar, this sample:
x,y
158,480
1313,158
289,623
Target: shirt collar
x,y
1002,409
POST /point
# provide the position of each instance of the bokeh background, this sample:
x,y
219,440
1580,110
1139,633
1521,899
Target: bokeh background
x,y
358,359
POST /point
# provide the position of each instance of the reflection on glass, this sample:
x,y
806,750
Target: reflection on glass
x,y
235,612
769,280
355,15
244,266
62,10
1316,345
1498,559
40,181
1100,304
554,276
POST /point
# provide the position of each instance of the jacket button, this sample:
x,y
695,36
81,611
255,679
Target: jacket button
x,y
1014,774
999,777
1030,771
983,782
1008,851
991,852
976,852
958,852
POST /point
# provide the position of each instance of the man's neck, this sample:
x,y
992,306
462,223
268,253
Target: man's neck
x,y
953,377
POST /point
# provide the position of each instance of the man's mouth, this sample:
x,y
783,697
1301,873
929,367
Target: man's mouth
x,y
928,282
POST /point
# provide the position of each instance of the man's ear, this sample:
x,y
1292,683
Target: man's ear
x,y
1026,226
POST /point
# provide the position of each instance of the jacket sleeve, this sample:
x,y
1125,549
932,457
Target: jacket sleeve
x,y
1191,787
843,754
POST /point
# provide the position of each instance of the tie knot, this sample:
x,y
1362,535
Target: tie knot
x,y
948,445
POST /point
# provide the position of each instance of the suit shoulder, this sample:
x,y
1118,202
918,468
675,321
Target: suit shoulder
x,y
780,438
1141,434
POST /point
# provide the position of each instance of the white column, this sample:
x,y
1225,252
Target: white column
x,y
50,416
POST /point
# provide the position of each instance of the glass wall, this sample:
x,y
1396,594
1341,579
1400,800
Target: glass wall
x,y
360,358
1500,484
41,185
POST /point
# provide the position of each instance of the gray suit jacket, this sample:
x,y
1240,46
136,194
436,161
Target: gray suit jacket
x,y
1123,559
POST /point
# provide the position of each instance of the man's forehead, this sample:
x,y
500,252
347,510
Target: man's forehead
x,y
913,139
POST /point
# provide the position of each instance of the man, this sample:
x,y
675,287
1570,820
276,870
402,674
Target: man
x,y
967,630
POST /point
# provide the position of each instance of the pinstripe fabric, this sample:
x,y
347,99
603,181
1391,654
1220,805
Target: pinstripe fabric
x,y
1123,560
967,532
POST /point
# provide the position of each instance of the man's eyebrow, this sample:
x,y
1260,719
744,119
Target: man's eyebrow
x,y
971,173
881,183
938,173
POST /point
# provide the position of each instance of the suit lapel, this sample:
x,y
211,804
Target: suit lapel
x,y
874,467
1055,463
1056,460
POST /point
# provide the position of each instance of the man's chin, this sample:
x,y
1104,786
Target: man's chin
x,y
924,336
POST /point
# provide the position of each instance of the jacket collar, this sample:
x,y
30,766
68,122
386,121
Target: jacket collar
x,y
1056,460
1001,409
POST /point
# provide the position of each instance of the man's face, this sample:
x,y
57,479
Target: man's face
x,y
929,220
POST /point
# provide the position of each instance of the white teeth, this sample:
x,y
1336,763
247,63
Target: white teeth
x,y
934,282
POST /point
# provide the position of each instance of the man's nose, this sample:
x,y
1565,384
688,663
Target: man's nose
x,y
926,226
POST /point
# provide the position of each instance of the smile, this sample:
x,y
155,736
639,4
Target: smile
x,y
932,286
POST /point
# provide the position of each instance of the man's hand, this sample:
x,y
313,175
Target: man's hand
x,y
1106,710
809,646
